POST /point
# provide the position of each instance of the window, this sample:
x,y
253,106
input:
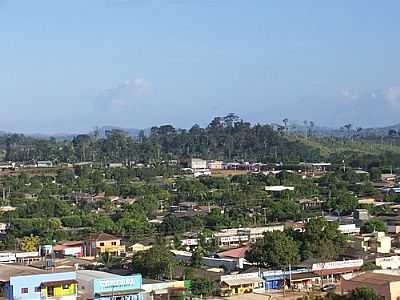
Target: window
x,y
37,289
114,243
24,290
50,291
101,244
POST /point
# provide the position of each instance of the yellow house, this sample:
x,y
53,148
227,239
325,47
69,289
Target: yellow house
x,y
58,289
138,247
99,243
240,284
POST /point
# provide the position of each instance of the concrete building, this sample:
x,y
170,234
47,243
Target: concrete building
x,y
310,203
44,164
106,286
361,215
391,262
115,165
333,270
215,165
394,229
387,286
197,164
278,188
99,243
376,242
366,201
349,229
240,284
51,286
164,290
19,257
234,237
69,248
140,246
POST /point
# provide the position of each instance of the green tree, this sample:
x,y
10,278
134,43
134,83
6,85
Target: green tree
x,y
55,224
202,287
72,221
29,243
107,260
375,173
276,249
374,225
369,266
197,256
365,293
322,239
157,263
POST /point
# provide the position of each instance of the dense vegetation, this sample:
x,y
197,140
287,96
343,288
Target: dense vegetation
x,y
226,138
137,202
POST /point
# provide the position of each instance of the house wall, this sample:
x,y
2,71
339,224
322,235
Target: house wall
x,y
384,244
124,283
393,228
196,163
392,262
97,247
394,290
73,251
60,291
31,282
229,264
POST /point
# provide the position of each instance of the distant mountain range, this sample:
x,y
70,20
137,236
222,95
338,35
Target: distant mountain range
x,y
130,131
340,132
381,130
69,136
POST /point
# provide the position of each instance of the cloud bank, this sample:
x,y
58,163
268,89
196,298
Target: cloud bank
x,y
124,95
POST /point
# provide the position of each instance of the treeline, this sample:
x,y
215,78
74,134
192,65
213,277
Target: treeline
x,y
225,138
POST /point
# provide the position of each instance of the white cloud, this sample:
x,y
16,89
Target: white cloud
x,y
124,94
349,94
384,96
392,95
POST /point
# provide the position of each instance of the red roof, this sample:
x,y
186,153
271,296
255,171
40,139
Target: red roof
x,y
234,253
102,237
65,244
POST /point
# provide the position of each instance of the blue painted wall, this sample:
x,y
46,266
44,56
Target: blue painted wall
x,y
116,284
31,282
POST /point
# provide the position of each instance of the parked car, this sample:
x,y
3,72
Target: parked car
x,y
328,288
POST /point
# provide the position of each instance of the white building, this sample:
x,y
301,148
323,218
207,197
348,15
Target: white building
x,y
19,257
392,262
200,173
115,165
376,242
44,164
278,188
215,165
197,164
349,229
235,236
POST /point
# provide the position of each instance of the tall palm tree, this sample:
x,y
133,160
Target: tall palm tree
x,y
107,260
286,121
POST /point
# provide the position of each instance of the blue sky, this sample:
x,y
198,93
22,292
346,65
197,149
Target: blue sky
x,y
67,66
